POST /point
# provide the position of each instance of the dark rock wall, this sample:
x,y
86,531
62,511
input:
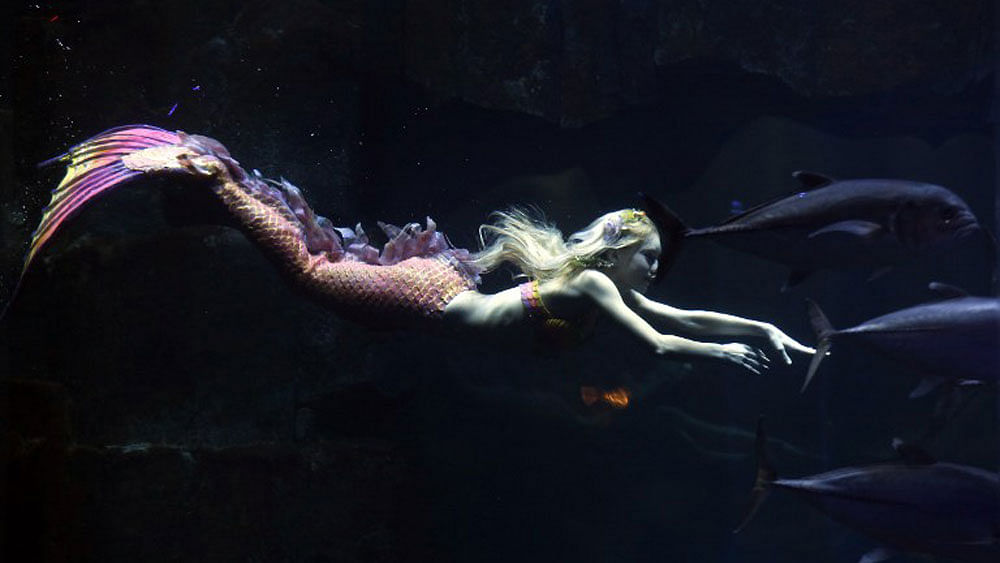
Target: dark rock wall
x,y
165,396
578,62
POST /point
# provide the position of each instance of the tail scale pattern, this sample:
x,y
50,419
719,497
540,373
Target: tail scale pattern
x,y
414,276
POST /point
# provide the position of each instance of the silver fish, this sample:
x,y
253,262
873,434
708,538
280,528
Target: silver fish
x,y
914,505
847,224
957,339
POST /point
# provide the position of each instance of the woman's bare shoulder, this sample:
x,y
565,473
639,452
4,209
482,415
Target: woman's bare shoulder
x,y
575,296
584,284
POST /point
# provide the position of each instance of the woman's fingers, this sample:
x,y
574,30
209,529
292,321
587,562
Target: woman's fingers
x,y
780,346
782,342
754,359
801,348
763,356
797,346
779,340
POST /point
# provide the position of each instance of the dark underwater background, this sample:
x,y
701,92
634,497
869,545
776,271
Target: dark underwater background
x,y
167,397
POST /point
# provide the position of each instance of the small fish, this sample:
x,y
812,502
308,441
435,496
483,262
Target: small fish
x,y
956,339
847,224
913,505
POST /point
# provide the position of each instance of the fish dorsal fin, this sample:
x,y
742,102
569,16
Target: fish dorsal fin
x,y
912,454
812,180
945,291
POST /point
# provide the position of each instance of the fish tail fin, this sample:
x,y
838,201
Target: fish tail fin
x,y
93,167
671,228
824,332
765,476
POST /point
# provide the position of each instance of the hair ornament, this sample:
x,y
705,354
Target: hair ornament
x,y
621,222
613,229
630,216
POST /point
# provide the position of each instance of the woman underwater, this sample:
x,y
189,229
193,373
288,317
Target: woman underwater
x,y
418,277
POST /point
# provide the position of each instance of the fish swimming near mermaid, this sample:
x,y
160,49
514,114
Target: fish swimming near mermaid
x,y
859,224
914,504
954,339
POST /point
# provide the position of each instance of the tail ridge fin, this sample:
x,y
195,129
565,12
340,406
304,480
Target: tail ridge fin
x,y
765,476
824,334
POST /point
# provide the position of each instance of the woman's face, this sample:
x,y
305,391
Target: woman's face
x,y
635,266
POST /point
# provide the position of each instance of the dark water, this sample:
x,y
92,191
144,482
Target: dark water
x,y
168,397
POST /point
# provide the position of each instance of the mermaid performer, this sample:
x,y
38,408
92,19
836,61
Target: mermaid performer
x,y
418,277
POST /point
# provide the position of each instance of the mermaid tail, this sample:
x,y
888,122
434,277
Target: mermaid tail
x,y
93,167
415,275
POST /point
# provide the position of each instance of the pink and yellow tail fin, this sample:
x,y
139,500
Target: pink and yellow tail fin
x,y
93,167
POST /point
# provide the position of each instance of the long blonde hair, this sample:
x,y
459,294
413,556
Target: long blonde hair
x,y
534,245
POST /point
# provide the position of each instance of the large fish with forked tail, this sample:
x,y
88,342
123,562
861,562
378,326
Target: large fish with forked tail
x,y
913,505
848,224
955,339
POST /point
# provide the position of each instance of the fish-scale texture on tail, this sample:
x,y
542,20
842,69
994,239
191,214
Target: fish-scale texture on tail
x,y
415,275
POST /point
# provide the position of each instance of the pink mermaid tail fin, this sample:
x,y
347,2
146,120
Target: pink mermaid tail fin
x,y
94,167
415,275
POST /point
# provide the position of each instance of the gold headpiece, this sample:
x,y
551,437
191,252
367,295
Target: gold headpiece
x,y
632,215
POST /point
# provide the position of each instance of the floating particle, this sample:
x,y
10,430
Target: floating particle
x,y
172,109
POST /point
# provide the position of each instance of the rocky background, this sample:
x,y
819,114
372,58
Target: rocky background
x,y
166,397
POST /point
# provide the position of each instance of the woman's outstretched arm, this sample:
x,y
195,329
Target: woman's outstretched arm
x,y
717,324
605,295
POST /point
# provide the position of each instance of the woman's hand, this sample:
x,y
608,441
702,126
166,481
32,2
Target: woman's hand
x,y
781,342
750,358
